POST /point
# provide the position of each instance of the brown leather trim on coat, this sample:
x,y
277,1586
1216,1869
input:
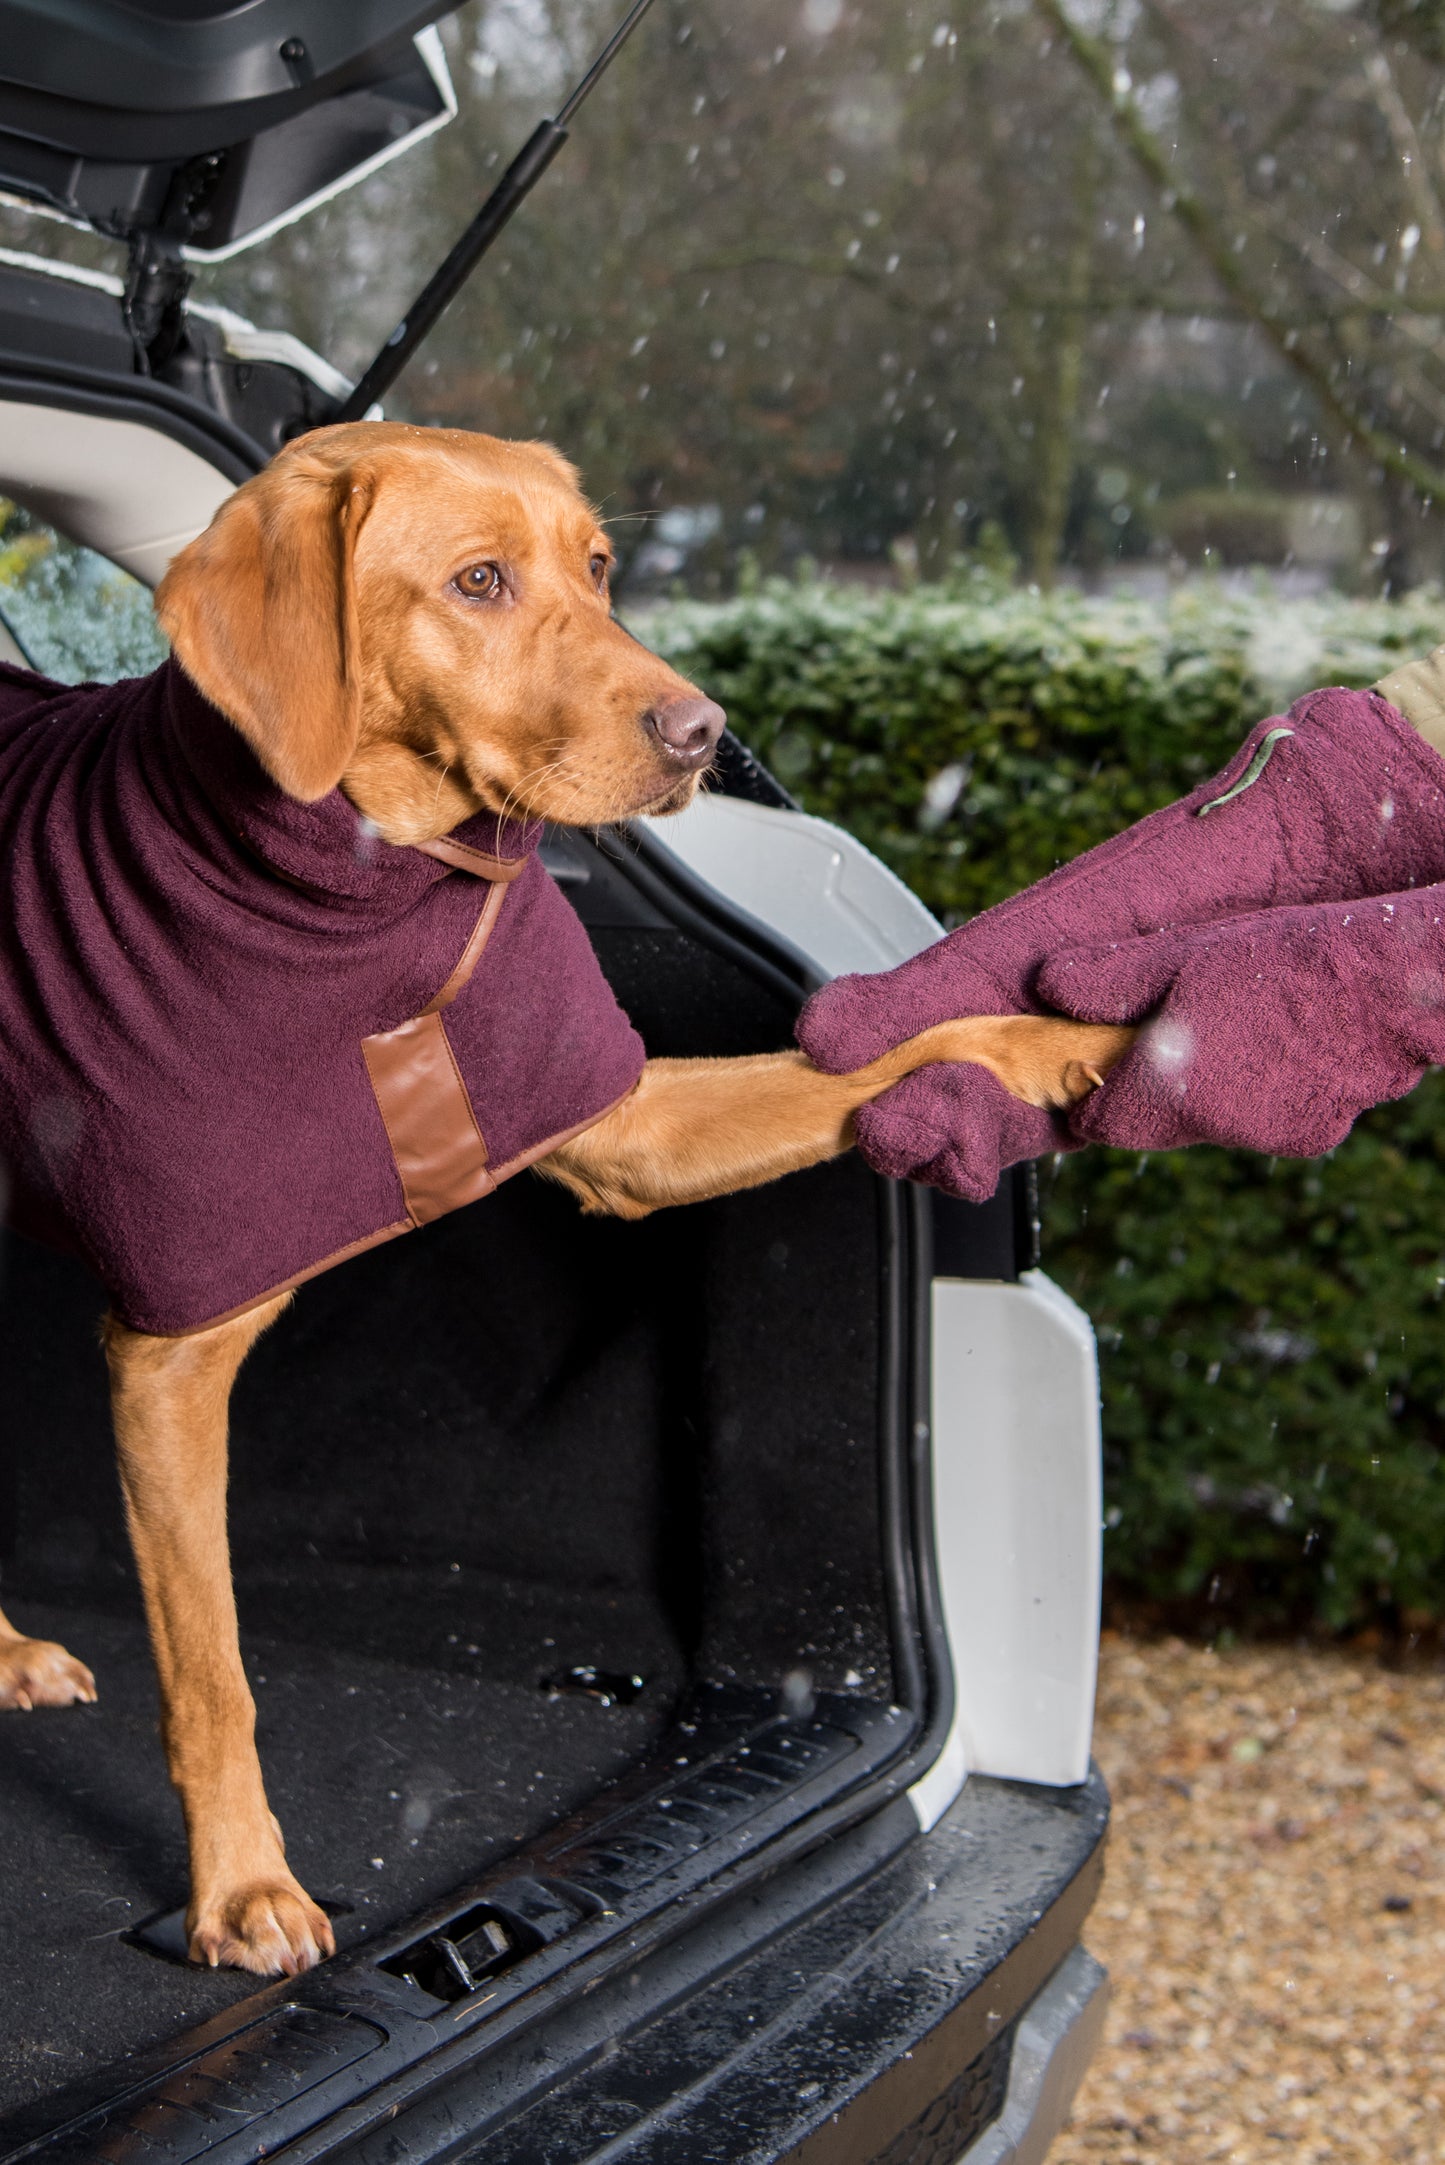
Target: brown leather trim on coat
x,y
440,1153
524,1158
470,954
463,858
287,1285
519,1164
440,1156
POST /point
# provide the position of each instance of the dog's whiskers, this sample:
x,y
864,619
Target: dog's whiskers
x,y
514,793
580,784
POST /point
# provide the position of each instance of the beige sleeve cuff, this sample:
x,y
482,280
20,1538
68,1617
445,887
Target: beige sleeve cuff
x,y
1418,691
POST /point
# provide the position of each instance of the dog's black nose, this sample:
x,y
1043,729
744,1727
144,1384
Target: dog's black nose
x,y
687,728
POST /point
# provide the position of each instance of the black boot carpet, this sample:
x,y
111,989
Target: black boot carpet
x,y
394,1777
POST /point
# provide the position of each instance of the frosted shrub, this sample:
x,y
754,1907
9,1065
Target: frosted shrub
x,y
74,615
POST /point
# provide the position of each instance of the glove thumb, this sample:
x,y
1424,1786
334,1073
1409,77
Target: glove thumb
x,y
956,1128
846,1024
856,1018
1119,982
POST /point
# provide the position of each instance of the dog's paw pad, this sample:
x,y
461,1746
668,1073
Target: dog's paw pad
x,y
37,1672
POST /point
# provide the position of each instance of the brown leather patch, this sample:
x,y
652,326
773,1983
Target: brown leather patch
x,y
440,1153
438,1147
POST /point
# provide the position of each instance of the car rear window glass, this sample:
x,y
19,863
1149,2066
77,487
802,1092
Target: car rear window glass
x,y
72,613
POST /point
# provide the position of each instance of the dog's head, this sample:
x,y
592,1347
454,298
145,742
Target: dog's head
x,y
422,616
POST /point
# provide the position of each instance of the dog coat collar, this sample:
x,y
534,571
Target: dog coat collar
x,y
328,848
245,1037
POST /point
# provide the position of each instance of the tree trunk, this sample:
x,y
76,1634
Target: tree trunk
x,y
1059,418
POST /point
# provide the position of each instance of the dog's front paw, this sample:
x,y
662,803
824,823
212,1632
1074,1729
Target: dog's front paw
x,y
271,1927
37,1672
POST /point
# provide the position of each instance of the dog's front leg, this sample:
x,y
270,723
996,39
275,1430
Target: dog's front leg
x,y
170,1400
693,1129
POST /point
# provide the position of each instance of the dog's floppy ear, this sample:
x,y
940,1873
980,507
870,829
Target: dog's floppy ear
x,y
260,610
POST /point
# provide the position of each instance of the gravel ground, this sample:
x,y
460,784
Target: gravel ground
x,y
1273,1914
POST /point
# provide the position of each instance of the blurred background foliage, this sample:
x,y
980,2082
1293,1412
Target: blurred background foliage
x,y
963,317
74,615
1143,283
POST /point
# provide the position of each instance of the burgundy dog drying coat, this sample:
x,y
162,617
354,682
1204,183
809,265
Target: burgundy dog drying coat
x,y
1340,798
242,1037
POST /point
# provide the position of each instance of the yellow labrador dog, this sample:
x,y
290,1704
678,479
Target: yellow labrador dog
x,y
419,619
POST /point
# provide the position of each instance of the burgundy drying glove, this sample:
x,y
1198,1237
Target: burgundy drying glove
x,y
1340,798
1269,1032
956,1127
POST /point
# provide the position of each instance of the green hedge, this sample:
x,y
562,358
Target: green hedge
x,y
1271,1332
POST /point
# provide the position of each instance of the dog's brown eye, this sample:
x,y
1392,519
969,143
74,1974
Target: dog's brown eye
x,y
479,582
597,565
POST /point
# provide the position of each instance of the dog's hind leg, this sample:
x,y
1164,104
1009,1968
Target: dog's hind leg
x,y
37,1672
170,1400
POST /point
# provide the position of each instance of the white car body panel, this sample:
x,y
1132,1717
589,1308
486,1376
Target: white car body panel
x,y
1016,1491
1016,1436
802,877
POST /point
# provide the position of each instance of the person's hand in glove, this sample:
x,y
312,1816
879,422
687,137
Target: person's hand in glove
x,y
1341,798
1269,1032
957,1128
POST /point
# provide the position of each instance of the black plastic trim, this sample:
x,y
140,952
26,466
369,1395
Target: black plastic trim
x,y
922,1664
112,81
979,1240
698,909
147,2108
922,1672
883,1963
139,399
738,772
1028,1216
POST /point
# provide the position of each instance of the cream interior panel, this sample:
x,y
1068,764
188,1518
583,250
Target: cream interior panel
x,y
116,486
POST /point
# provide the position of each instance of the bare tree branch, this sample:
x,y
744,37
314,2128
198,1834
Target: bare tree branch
x,y
1225,261
1386,93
